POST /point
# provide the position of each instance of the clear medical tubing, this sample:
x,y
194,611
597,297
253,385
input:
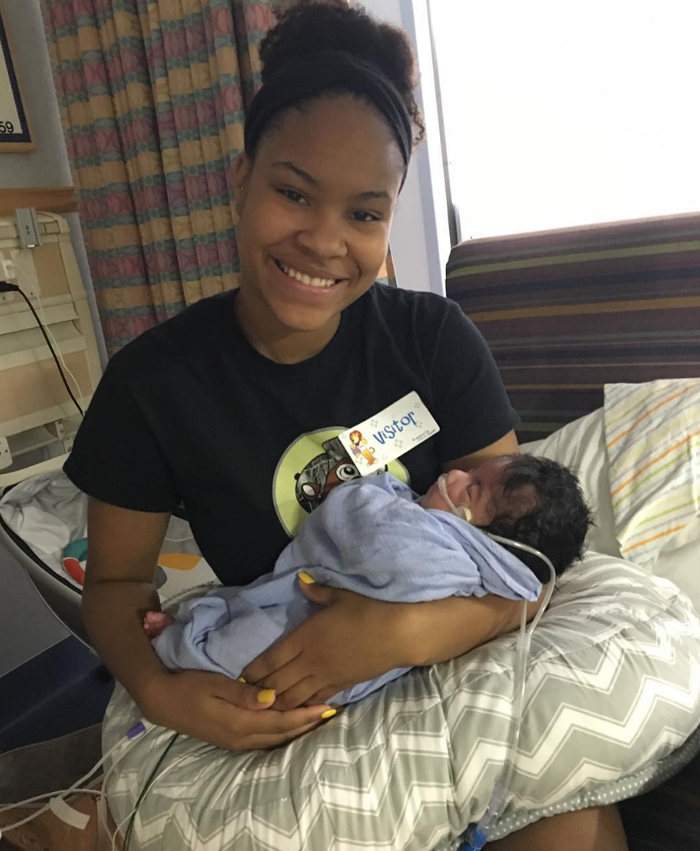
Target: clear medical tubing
x,y
496,805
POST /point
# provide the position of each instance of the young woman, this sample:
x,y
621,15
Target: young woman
x,y
234,407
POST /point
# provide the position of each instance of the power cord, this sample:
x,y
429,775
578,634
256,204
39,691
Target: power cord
x,y
5,287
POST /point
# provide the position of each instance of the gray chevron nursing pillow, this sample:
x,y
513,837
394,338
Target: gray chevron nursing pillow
x,y
612,706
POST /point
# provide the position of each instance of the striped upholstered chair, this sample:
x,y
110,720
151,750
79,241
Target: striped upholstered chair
x,y
566,312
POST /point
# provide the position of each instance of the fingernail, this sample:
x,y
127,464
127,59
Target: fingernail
x,y
241,680
266,695
329,713
306,578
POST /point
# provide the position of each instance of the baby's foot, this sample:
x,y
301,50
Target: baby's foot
x,y
155,622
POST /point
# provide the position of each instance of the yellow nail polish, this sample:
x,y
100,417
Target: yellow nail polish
x,y
266,695
242,680
329,713
306,578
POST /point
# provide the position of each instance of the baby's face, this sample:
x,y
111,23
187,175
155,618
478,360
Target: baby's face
x,y
480,490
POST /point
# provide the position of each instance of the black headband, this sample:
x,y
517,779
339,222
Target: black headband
x,y
327,70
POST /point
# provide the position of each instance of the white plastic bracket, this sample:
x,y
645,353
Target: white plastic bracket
x,y
8,270
5,454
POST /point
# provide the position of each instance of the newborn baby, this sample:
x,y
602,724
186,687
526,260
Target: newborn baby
x,y
374,536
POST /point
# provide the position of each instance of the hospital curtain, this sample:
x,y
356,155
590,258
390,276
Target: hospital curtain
x,y
152,96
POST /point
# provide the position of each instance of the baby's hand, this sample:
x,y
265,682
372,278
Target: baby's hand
x,y
155,622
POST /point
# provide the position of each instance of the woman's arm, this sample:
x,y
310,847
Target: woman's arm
x,y
444,629
355,638
119,589
123,548
507,445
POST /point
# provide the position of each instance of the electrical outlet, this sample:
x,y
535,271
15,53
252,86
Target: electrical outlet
x,y
5,454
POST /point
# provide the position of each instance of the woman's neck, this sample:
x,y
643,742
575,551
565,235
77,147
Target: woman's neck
x,y
276,341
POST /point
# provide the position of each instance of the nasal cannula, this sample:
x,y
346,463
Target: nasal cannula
x,y
478,836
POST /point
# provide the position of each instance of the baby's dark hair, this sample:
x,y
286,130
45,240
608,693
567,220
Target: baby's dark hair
x,y
312,26
558,524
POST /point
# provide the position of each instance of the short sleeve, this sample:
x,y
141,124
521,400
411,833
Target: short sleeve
x,y
116,456
472,406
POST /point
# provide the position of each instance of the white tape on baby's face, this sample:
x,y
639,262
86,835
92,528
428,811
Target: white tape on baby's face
x,y
462,511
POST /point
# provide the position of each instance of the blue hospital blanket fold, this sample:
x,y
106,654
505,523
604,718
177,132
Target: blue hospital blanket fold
x,y
370,536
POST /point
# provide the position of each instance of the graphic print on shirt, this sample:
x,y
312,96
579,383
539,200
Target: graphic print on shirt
x,y
309,469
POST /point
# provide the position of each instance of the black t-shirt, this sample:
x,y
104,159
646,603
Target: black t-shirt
x,y
190,412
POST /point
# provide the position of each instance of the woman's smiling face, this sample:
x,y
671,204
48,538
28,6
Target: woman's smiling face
x,y
315,207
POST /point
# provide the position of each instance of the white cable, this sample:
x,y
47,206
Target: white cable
x,y
103,788
64,793
45,808
154,780
179,540
105,781
497,802
76,787
33,801
542,557
48,331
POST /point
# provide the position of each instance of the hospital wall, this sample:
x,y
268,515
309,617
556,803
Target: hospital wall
x,y
27,628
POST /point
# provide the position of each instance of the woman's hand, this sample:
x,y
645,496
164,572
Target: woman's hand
x,y
222,711
355,639
352,640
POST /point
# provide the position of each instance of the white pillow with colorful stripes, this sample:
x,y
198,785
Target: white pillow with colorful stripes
x,y
652,435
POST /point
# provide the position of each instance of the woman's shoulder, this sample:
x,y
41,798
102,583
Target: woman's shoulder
x,y
422,316
386,296
395,303
177,338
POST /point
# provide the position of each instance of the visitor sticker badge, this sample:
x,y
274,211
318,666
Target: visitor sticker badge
x,y
389,434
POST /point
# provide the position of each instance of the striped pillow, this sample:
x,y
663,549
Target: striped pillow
x,y
652,434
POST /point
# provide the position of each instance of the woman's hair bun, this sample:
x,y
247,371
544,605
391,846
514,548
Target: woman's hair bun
x,y
311,26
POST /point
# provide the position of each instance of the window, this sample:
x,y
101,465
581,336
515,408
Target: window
x,y
560,112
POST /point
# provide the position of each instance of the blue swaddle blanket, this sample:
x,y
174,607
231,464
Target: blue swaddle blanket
x,y
369,536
